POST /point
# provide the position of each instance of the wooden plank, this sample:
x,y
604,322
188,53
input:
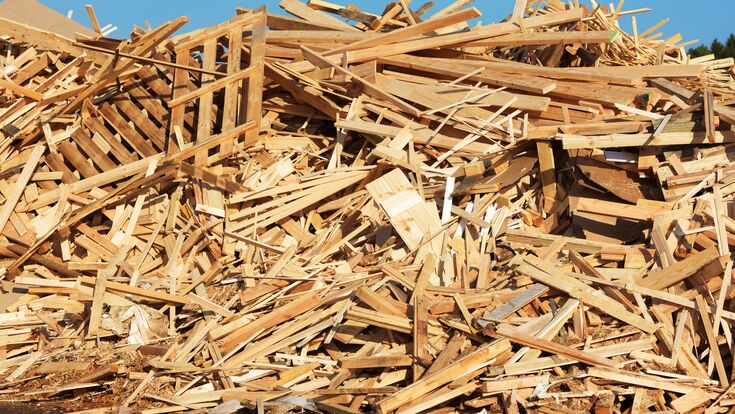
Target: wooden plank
x,y
205,118
93,18
546,274
148,294
142,121
232,88
372,89
640,380
251,103
17,89
431,96
285,313
663,278
409,32
546,38
639,140
423,43
45,39
554,348
96,154
508,308
410,216
376,361
177,114
17,190
523,83
690,401
513,383
713,344
301,10
100,285
547,171
429,383
130,134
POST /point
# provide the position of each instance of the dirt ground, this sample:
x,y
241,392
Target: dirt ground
x,y
30,408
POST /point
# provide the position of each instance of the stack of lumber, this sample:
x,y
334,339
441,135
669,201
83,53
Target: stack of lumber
x,y
336,211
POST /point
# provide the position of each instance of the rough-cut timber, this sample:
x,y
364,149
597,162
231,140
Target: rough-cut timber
x,y
325,209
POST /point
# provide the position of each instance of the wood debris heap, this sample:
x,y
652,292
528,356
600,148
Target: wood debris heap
x,y
336,211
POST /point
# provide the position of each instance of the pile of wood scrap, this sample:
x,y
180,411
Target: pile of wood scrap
x,y
335,211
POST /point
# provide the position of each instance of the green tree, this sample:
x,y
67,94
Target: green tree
x,y
700,50
719,49
730,46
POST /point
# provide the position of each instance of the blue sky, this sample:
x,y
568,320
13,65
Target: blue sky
x,y
703,19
